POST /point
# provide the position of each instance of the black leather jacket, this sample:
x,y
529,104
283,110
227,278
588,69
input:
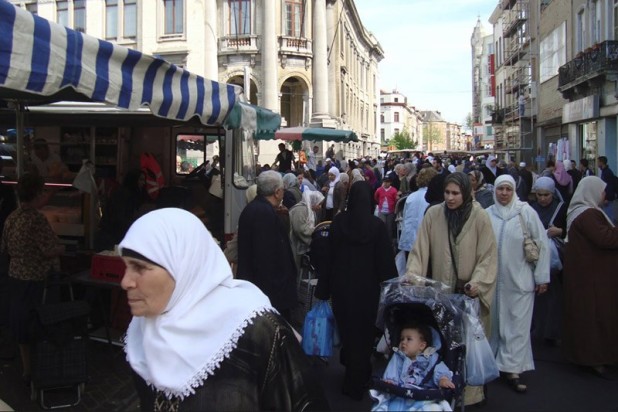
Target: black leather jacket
x,y
268,370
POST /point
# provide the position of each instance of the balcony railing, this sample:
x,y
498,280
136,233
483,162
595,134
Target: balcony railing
x,y
295,45
242,43
600,59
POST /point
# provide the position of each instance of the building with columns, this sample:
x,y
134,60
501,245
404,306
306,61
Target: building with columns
x,y
396,116
312,61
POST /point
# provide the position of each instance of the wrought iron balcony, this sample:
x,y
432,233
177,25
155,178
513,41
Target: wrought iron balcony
x,y
596,61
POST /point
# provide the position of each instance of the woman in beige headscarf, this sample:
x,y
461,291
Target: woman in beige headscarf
x,y
590,319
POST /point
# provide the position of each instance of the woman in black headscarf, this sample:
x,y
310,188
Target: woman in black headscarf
x,y
456,244
361,258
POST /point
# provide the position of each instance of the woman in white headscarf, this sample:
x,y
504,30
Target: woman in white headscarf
x,y
357,176
200,340
302,223
517,281
590,328
329,192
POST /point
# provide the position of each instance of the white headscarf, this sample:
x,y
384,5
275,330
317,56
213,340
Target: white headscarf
x,y
357,176
331,189
588,195
312,198
494,169
207,313
515,205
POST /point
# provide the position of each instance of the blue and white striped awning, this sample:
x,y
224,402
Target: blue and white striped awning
x,y
41,61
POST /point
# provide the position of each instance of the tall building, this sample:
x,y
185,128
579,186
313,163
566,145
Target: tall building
x,y
312,61
483,87
396,115
515,44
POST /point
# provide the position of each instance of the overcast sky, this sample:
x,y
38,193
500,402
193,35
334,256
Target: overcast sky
x,y
427,52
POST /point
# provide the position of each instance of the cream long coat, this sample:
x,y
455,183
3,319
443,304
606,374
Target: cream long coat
x,y
475,254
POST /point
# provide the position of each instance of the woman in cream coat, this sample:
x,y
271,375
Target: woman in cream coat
x,y
465,224
517,281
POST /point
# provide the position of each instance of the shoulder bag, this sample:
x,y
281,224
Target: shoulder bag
x,y
531,249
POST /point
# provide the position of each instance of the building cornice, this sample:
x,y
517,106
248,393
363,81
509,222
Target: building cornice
x,y
371,42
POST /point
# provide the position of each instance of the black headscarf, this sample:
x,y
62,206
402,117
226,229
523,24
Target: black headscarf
x,y
357,220
457,218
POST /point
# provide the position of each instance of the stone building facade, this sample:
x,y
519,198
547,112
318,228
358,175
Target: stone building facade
x,y
312,61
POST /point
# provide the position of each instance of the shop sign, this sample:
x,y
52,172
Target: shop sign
x,y
582,109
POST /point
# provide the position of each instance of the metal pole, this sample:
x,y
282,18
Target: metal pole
x,y
19,129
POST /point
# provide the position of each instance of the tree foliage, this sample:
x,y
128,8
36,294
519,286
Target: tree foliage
x,y
402,140
431,135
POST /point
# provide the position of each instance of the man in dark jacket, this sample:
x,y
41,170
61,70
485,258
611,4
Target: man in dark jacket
x,y
265,256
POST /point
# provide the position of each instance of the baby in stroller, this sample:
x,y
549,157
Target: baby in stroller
x,y
425,370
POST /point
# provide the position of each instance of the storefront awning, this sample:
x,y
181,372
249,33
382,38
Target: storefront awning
x,y
313,134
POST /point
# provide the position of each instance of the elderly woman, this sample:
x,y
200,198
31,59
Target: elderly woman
x,y
340,195
552,211
200,339
33,249
453,245
302,223
357,176
590,282
517,282
329,192
414,210
480,190
292,194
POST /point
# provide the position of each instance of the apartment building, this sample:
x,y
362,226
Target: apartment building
x,y
311,61
483,87
396,115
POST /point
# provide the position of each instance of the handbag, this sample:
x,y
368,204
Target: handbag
x,y
531,249
319,330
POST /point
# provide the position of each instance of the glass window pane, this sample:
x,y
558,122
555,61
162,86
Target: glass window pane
x,y
79,15
234,17
244,163
111,19
130,19
62,13
190,152
178,14
169,16
246,17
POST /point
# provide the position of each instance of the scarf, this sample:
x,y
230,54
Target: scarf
x,y
513,208
357,176
457,218
176,351
588,195
311,198
331,187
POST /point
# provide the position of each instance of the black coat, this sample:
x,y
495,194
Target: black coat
x,y
361,257
264,254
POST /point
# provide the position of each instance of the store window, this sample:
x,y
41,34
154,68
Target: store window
x,y
293,17
174,16
240,17
190,152
588,134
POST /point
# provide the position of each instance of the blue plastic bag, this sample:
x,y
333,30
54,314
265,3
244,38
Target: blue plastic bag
x,y
318,330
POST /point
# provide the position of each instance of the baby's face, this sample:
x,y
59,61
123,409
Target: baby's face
x,y
411,343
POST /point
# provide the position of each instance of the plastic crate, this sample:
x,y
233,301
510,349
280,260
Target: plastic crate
x,y
107,268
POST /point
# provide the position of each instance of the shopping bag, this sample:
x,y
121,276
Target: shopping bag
x,y
318,330
555,248
481,366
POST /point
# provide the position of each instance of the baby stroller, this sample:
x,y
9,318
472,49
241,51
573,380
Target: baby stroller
x,y
312,262
402,303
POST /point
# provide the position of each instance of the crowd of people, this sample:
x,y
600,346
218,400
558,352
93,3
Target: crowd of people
x,y
537,250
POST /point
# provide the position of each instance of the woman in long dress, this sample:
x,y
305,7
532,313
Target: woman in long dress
x,y
517,281
590,330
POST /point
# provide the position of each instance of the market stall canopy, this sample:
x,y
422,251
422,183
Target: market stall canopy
x,y
313,134
249,117
43,62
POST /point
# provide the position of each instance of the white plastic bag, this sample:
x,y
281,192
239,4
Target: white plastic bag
x,y
481,366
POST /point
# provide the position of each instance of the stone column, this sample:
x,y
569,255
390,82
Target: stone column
x,y
211,63
332,56
320,64
269,56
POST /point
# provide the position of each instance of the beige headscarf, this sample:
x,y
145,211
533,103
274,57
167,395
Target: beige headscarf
x,y
588,195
